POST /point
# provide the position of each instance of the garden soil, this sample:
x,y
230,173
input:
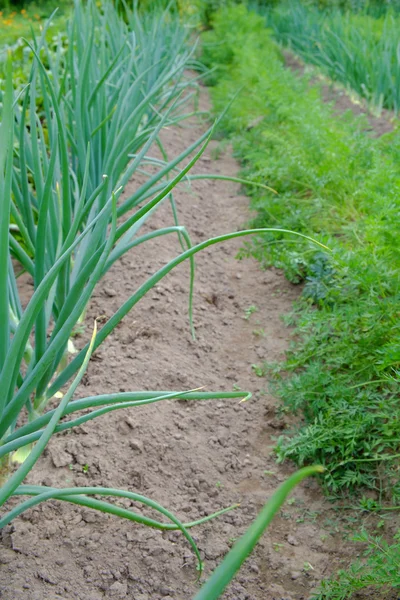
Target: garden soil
x,y
192,457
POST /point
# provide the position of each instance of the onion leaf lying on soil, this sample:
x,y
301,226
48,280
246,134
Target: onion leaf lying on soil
x,y
226,571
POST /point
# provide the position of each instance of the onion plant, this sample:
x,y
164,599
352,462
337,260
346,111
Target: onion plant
x,y
25,371
102,98
358,50
95,105
71,139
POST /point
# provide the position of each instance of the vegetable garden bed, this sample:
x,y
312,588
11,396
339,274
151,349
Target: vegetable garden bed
x,y
194,458
94,203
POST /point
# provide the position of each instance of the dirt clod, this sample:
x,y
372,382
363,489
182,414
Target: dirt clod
x,y
292,540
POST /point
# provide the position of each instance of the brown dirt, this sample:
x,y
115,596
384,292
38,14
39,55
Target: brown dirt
x,y
342,102
193,458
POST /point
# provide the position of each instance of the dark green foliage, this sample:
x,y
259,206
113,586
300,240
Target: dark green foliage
x,y
47,6
9,4
375,7
342,187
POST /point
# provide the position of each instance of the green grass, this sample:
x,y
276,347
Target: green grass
x,y
337,184
358,50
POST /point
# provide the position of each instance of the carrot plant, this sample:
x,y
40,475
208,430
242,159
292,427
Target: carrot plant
x,y
342,370
378,571
338,183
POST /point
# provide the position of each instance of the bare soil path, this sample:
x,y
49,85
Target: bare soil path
x,y
193,458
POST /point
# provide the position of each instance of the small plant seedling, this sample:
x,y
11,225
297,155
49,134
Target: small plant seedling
x,y
308,515
232,540
285,515
259,332
249,311
85,468
332,525
236,388
308,567
380,524
219,485
217,152
277,546
258,370
369,504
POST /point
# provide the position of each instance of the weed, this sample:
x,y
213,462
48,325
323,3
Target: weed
x,y
232,540
250,310
259,332
258,370
219,150
277,547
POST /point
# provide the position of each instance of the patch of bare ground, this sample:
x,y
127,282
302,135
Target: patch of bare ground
x,y
194,458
